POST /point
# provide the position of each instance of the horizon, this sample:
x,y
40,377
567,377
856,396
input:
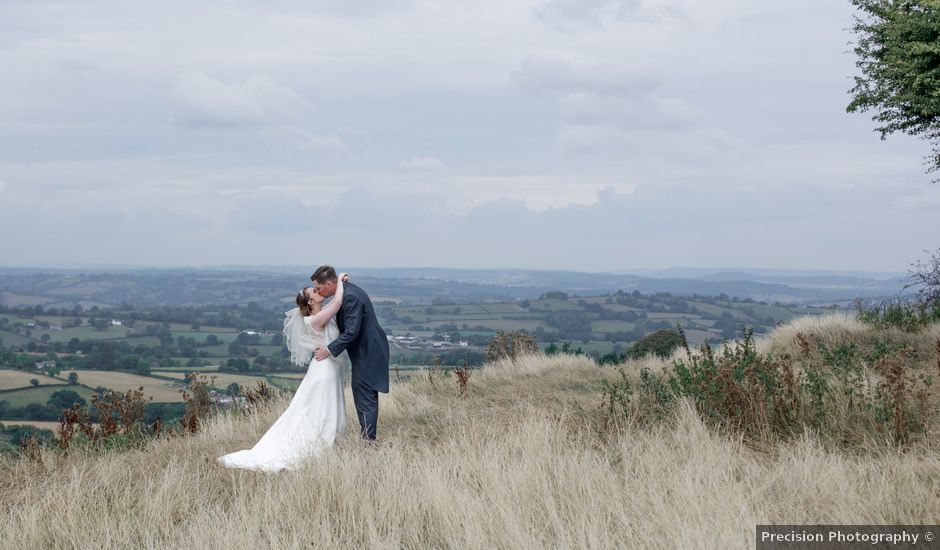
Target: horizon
x,y
641,272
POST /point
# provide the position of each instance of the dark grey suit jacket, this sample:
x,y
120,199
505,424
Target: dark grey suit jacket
x,y
363,338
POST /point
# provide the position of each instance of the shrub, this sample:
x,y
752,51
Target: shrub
x,y
511,344
845,396
198,400
906,316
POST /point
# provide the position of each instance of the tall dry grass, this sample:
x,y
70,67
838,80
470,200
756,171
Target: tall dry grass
x,y
520,462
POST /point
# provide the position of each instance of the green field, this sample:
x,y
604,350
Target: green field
x,y
607,327
13,339
226,337
82,333
25,396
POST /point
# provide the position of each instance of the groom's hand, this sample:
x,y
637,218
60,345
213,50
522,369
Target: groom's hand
x,y
322,353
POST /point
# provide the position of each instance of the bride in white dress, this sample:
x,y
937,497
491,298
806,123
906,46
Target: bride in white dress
x,y
317,412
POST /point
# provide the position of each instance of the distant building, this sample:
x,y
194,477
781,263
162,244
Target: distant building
x,y
116,323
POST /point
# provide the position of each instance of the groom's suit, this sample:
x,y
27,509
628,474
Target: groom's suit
x,y
367,345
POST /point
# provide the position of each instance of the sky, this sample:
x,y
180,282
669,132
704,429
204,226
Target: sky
x,y
591,135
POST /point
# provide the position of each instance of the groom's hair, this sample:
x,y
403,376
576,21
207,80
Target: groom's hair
x,y
323,274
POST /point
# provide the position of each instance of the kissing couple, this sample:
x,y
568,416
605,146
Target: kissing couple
x,y
323,336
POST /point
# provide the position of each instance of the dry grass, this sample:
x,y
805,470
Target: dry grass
x,y
830,330
518,463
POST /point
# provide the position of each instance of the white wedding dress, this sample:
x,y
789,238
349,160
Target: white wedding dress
x,y
315,416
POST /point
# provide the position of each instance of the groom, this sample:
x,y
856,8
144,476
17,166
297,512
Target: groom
x,y
364,339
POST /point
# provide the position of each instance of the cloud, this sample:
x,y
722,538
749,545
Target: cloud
x,y
544,75
423,163
605,109
309,142
199,101
270,213
592,13
646,112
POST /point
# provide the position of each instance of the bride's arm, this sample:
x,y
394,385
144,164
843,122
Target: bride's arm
x,y
320,319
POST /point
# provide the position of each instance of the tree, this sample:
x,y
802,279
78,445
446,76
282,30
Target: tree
x,y
73,378
34,382
898,51
926,276
64,399
239,364
660,343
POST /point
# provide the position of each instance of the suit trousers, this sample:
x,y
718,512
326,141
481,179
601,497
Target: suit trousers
x,y
367,408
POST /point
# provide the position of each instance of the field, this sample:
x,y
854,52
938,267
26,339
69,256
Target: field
x,y
11,379
45,425
172,371
596,325
121,381
522,461
41,394
288,381
11,339
224,379
283,383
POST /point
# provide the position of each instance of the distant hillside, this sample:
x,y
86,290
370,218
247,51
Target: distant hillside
x,y
276,285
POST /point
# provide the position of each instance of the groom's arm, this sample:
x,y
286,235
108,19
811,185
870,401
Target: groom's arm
x,y
352,322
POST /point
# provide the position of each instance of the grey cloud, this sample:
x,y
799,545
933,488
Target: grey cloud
x,y
648,112
568,13
539,74
423,162
733,136
269,213
199,101
602,107
358,9
308,142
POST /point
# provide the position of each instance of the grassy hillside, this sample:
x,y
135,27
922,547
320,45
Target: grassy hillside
x,y
524,461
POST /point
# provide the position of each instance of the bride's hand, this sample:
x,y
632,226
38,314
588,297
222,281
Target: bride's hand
x,y
344,277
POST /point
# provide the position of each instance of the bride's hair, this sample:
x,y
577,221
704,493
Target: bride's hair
x,y
302,302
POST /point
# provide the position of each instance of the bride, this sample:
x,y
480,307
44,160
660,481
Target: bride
x,y
317,412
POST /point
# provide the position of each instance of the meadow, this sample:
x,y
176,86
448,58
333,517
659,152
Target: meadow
x,y
160,390
24,396
11,379
526,459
